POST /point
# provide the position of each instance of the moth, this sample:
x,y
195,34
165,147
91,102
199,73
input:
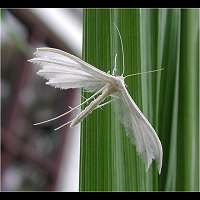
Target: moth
x,y
63,70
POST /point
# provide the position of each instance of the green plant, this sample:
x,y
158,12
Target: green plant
x,y
152,38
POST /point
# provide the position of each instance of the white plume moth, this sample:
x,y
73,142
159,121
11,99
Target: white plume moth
x,y
63,70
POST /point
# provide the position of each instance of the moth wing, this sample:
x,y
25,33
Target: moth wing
x,y
66,78
140,130
57,56
63,70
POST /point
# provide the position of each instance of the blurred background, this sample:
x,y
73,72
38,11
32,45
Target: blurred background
x,y
36,158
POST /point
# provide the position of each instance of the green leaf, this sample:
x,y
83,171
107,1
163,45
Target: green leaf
x,y
152,39
188,110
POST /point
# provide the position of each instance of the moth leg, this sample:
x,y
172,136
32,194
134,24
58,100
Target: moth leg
x,y
105,93
57,117
115,66
103,104
86,98
99,106
65,124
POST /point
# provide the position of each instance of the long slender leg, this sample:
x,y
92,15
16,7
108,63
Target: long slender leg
x,y
115,65
103,104
88,109
92,106
52,119
99,106
65,124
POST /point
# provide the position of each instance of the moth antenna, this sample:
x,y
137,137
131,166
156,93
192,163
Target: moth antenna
x,y
145,72
57,117
122,48
65,124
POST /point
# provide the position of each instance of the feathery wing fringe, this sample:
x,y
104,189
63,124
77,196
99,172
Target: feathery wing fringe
x,y
63,70
140,130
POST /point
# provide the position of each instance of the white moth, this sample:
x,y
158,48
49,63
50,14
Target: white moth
x,y
63,70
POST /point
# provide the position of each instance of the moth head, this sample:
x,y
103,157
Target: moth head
x,y
120,82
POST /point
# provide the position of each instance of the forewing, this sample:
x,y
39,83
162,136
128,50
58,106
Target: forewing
x,y
63,70
137,126
60,57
